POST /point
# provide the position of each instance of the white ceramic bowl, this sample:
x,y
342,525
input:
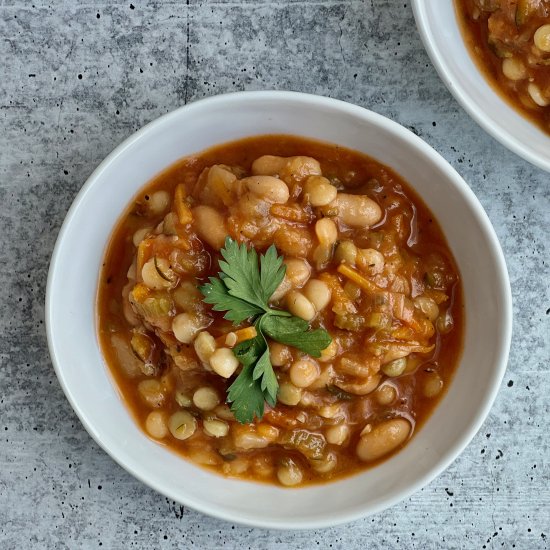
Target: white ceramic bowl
x,y
439,28
73,280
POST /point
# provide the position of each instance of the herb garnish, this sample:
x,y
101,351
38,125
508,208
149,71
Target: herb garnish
x,y
243,291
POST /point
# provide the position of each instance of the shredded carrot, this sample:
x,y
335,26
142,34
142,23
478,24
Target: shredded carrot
x,y
436,295
183,211
357,278
290,213
143,254
231,339
342,303
140,292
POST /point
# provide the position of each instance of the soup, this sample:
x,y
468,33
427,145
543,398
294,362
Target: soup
x,y
280,309
510,41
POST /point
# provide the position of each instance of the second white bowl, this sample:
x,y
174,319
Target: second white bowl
x,y
439,28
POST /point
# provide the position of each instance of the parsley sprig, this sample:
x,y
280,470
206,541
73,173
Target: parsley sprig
x,y
243,290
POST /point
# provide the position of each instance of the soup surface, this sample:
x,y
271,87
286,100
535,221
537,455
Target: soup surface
x,y
510,41
294,372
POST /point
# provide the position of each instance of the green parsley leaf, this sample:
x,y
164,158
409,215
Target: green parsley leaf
x,y
243,290
216,294
246,394
295,332
241,275
272,272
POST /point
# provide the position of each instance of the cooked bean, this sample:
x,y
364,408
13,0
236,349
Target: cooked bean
x,y
542,38
513,68
224,362
289,473
318,191
246,437
268,165
186,296
325,464
432,384
326,231
267,187
357,210
300,306
155,424
224,412
205,346
289,394
383,439
304,372
395,368
337,435
156,274
185,327
318,293
370,260
206,398
427,306
140,234
346,252
182,425
158,202
210,226
300,167
537,96
183,400
385,394
445,322
279,354
215,427
360,388
151,392
298,271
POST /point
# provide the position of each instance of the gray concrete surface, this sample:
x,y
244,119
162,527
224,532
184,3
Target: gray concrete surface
x,y
76,78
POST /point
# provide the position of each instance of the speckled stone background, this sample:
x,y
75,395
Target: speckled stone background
x,y
76,78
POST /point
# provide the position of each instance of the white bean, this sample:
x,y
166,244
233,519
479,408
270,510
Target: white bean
x,y
542,38
318,191
536,95
357,210
155,424
289,394
289,473
224,362
205,346
151,392
279,354
318,293
383,438
267,187
206,398
182,425
337,435
140,234
158,202
151,274
326,231
300,306
210,226
185,327
304,372
513,68
215,427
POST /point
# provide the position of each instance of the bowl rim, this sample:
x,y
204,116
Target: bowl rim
x,y
423,150
466,101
